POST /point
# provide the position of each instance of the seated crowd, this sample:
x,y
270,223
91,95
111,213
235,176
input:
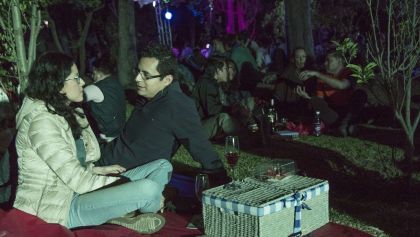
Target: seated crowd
x,y
75,175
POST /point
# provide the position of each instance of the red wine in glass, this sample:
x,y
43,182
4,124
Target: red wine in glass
x,y
232,158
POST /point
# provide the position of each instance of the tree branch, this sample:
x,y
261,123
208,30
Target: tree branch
x,y
35,27
19,41
53,30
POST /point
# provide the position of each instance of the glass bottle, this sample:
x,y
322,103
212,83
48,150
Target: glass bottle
x,y
317,124
272,116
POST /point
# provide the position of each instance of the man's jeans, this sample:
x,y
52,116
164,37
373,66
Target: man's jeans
x,y
143,193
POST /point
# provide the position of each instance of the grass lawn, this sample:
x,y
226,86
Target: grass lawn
x,y
366,191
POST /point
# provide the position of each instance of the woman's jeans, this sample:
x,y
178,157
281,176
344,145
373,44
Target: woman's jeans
x,y
143,193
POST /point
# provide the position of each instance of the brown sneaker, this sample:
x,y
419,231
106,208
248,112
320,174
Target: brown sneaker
x,y
148,223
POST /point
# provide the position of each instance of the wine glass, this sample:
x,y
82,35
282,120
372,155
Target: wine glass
x,y
232,153
201,184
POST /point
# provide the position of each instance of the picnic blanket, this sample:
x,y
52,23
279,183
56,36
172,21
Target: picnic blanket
x,y
16,223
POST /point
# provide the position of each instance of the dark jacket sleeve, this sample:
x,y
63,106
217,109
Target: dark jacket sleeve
x,y
207,96
189,132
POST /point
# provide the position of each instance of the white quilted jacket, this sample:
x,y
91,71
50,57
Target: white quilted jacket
x,y
49,171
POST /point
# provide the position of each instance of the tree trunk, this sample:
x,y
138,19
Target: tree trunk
x,y
53,30
81,45
298,25
20,46
127,52
35,28
25,59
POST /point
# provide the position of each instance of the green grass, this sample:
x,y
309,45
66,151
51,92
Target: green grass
x,y
364,180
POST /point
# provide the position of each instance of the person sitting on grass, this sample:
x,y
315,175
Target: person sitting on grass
x,y
339,104
106,101
211,101
224,110
164,119
56,148
289,78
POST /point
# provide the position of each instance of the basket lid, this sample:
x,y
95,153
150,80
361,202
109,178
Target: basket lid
x,y
262,198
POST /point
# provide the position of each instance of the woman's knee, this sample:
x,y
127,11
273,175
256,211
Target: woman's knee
x,y
148,188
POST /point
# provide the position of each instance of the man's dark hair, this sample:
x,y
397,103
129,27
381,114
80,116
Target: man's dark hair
x,y
167,64
213,64
242,36
105,64
45,82
336,54
296,49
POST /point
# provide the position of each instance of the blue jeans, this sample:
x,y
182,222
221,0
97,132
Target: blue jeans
x,y
143,193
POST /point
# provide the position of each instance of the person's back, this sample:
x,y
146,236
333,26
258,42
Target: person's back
x,y
206,95
186,79
110,113
240,55
106,100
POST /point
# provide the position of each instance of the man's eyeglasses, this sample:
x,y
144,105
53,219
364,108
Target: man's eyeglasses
x,y
144,75
76,78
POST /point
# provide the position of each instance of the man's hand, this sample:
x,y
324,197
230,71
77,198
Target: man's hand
x,y
300,90
110,169
305,75
269,78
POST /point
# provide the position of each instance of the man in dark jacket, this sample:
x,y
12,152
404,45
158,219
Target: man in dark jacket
x,y
164,120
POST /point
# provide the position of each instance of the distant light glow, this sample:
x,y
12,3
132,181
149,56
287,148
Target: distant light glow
x,y
168,15
154,3
46,23
205,52
207,46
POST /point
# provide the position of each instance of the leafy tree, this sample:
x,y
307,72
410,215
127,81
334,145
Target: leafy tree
x,y
349,50
83,12
342,17
394,45
14,30
274,17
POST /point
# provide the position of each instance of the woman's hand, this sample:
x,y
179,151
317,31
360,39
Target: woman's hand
x,y
110,169
302,92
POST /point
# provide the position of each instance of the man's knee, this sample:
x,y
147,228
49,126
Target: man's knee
x,y
166,166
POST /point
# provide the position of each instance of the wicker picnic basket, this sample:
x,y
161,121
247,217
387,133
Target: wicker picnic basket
x,y
266,209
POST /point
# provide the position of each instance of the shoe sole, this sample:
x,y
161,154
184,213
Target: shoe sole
x,y
144,223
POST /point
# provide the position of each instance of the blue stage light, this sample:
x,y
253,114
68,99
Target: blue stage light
x,y
168,15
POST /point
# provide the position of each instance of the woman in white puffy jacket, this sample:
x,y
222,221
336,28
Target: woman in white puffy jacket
x,y
56,148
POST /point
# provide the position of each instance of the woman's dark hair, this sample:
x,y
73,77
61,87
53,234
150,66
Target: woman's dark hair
x,y
46,79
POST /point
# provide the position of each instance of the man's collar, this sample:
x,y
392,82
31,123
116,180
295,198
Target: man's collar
x,y
174,86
